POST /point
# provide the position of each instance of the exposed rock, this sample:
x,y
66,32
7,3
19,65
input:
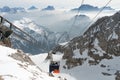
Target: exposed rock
x,y
117,75
106,74
102,65
22,57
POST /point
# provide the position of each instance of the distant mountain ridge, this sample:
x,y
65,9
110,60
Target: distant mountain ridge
x,y
32,8
87,7
12,10
49,8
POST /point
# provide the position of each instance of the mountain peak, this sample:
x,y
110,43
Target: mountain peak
x,y
87,7
48,8
32,8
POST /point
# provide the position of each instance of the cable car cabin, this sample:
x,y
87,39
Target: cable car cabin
x,y
54,67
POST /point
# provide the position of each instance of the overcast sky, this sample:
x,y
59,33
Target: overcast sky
x,y
57,3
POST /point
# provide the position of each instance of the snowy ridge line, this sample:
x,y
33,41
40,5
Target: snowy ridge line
x,y
31,39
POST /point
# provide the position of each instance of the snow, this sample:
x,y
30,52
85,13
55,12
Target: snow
x,y
28,23
94,72
76,53
113,36
86,72
96,46
111,20
41,62
85,43
65,76
113,64
63,43
11,69
85,54
57,57
6,51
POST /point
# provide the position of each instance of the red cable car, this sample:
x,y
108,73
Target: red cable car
x,y
54,67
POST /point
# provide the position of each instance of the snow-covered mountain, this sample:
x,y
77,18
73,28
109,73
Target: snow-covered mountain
x,y
7,9
96,53
45,39
32,8
16,65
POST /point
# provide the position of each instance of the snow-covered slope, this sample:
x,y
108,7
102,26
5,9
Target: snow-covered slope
x,y
41,62
15,65
45,39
